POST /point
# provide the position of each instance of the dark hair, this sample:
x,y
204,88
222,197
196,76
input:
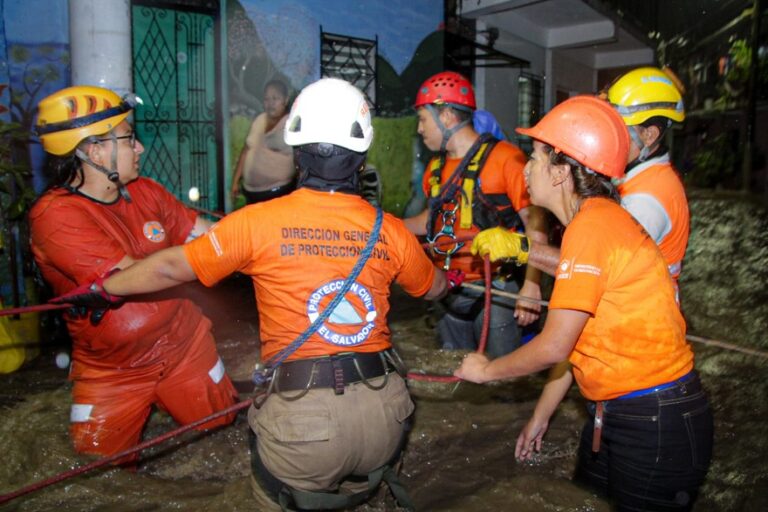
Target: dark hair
x,y
63,170
279,85
660,122
460,113
587,183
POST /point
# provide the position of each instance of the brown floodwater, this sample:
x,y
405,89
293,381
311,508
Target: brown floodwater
x,y
460,455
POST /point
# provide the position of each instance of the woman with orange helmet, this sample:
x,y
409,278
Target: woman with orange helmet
x,y
99,215
612,316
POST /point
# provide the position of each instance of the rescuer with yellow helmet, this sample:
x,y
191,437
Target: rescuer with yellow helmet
x,y
97,216
649,101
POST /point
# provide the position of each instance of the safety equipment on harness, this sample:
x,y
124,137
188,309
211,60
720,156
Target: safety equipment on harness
x,y
461,193
370,185
92,296
644,93
71,115
588,130
454,277
332,111
446,88
501,244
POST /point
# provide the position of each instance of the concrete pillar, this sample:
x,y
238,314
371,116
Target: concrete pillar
x,y
100,44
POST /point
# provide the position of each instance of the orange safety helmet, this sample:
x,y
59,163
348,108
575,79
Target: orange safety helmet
x,y
588,130
71,115
446,88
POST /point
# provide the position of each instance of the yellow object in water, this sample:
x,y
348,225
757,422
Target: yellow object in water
x,y
19,338
12,352
19,341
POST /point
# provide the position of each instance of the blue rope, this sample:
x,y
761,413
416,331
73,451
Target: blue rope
x,y
262,376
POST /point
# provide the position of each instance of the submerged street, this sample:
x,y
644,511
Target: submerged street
x,y
460,454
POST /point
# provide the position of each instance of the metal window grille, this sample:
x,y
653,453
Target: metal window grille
x,y
350,58
530,99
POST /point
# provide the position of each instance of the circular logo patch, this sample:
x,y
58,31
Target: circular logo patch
x,y
357,298
154,231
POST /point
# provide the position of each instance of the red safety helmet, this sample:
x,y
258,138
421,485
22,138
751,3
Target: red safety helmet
x,y
446,88
588,130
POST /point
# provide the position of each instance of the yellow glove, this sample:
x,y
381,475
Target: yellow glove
x,y
501,244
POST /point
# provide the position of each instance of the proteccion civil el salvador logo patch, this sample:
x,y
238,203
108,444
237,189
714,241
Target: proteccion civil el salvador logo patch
x,y
344,313
154,231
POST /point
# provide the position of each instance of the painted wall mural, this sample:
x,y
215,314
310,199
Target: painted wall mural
x,y
281,39
37,49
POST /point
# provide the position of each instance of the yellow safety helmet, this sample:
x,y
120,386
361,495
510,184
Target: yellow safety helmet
x,y
647,92
67,117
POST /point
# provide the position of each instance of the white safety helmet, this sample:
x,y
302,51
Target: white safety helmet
x,y
330,111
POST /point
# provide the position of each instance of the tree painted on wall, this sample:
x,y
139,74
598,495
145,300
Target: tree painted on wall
x,y
248,63
36,67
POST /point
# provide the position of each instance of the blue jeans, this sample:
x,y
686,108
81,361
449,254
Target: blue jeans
x,y
461,326
654,450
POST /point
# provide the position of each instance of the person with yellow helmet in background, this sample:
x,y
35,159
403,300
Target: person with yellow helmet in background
x,y
475,182
649,100
98,216
613,315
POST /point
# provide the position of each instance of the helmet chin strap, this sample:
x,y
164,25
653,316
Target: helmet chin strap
x,y
447,132
111,174
644,150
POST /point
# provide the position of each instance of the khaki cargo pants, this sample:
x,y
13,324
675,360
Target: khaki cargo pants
x,y
315,442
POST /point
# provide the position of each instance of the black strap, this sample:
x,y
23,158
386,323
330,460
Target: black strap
x,y
306,500
452,186
126,105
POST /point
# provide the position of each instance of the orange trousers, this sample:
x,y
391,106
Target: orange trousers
x,y
110,407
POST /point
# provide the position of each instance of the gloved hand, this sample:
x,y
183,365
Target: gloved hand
x,y
501,244
92,296
454,277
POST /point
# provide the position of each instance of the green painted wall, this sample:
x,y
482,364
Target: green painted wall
x,y
391,153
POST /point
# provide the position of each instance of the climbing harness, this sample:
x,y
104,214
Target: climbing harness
x,y
462,194
263,373
445,235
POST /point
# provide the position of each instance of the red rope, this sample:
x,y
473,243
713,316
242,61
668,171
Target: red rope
x,y
218,215
32,309
487,306
425,377
130,451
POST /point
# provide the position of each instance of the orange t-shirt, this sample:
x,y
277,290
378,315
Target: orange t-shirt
x,y
610,268
299,249
502,173
655,189
75,240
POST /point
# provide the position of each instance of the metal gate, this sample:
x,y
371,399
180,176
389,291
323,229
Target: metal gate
x,y
174,60
350,58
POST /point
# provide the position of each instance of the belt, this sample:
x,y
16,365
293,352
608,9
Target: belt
x,y
332,372
661,387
